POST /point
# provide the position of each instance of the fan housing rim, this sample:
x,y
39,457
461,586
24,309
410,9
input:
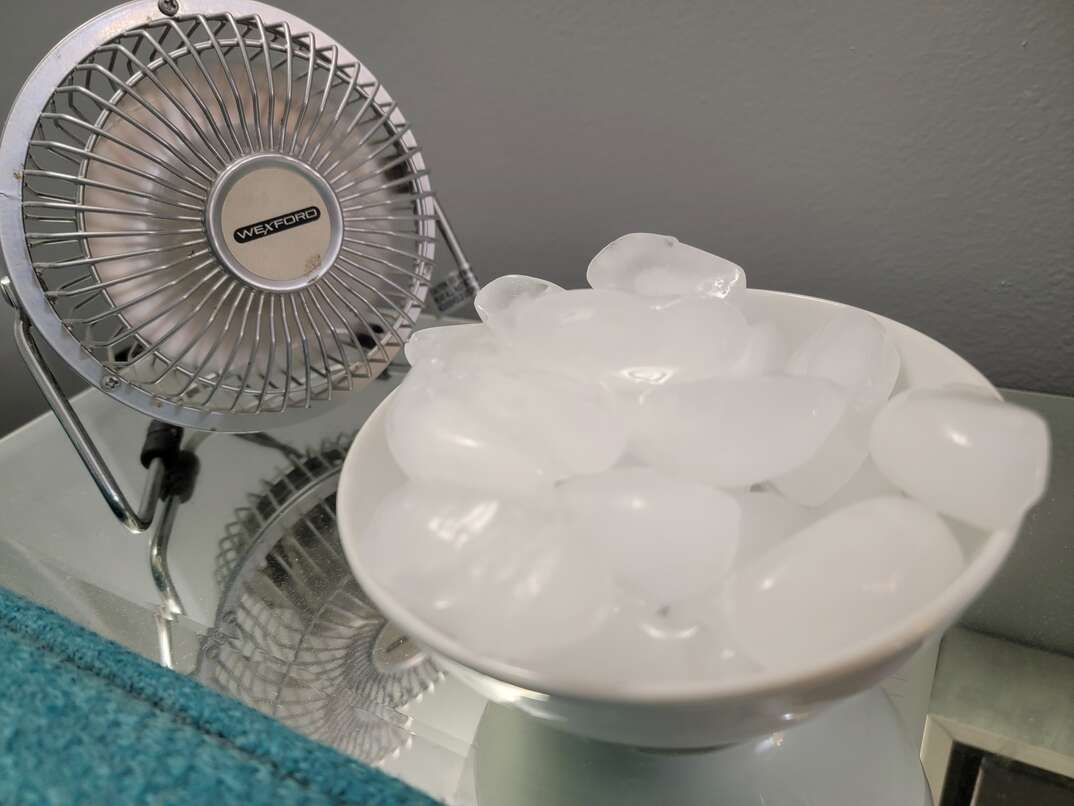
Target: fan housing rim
x,y
18,130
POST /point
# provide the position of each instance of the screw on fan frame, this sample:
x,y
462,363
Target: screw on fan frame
x,y
246,233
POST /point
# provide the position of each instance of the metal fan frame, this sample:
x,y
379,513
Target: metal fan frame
x,y
31,297
24,291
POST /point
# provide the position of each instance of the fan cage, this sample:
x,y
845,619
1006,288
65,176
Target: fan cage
x,y
126,151
295,635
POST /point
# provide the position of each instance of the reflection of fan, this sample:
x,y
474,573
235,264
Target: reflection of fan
x,y
225,219
295,635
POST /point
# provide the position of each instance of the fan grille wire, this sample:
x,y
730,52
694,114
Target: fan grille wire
x,y
115,184
295,634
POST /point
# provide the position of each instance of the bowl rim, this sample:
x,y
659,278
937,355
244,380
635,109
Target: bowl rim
x,y
906,634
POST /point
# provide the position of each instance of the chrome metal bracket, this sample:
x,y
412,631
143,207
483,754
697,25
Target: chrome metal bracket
x,y
170,605
136,520
461,286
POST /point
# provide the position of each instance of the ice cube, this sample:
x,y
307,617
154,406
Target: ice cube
x,y
840,582
710,338
626,341
637,647
424,532
693,633
854,351
665,538
501,575
488,424
580,331
977,459
868,482
661,266
766,351
708,653
497,302
767,519
439,344
835,463
736,432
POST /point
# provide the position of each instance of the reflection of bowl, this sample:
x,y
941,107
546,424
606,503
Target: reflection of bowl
x,y
696,714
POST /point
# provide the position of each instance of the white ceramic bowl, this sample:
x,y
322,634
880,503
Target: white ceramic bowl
x,y
698,714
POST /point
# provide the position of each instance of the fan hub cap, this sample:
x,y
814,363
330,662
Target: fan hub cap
x,y
274,222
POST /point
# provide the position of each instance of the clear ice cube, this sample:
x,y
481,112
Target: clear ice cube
x,y
736,432
487,424
766,351
840,582
868,482
497,302
855,352
440,344
767,519
501,575
638,647
833,466
966,455
665,538
660,266
626,341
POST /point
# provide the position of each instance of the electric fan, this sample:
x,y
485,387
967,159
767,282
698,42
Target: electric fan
x,y
218,216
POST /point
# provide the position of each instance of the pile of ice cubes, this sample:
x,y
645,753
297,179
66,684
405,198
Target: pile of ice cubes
x,y
637,482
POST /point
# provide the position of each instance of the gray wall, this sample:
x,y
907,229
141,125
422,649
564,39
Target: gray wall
x,y
914,158
1030,599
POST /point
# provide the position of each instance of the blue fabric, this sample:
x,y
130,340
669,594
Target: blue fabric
x,y
83,720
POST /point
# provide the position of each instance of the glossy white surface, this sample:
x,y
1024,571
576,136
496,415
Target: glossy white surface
x,y
695,714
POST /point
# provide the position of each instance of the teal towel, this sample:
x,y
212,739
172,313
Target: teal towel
x,y
82,720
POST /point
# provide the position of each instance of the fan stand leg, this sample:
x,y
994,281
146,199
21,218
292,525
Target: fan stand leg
x,y
170,605
137,521
158,558
461,286
182,473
